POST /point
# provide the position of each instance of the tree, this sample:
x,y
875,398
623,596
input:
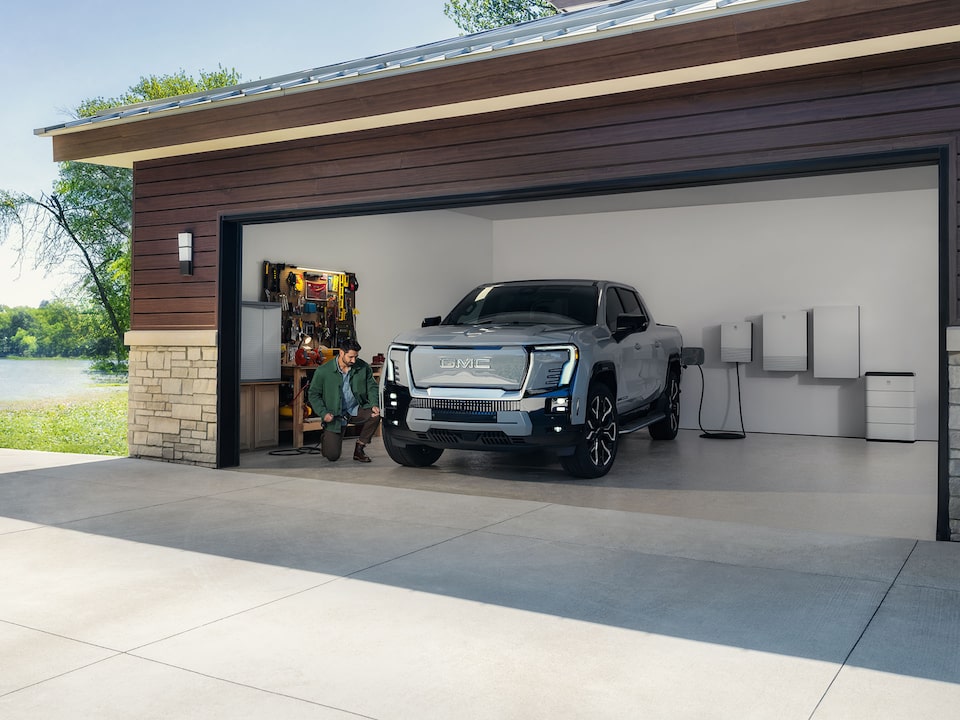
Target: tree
x,y
476,15
84,224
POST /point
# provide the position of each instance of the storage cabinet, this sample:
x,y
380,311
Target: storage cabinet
x,y
891,406
259,341
259,419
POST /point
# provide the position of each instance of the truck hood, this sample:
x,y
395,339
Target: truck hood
x,y
487,335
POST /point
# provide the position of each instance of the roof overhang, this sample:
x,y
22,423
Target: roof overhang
x,y
367,100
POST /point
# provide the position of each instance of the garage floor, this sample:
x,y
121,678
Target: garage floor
x,y
824,484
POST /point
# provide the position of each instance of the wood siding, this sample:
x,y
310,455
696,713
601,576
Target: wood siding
x,y
874,105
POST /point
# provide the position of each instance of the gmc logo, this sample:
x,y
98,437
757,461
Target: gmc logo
x,y
480,363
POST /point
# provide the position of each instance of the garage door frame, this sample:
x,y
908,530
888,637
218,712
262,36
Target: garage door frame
x,y
231,242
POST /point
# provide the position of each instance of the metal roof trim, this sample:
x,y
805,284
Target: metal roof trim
x,y
586,25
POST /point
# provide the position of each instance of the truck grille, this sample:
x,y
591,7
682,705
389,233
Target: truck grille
x,y
466,406
455,437
503,368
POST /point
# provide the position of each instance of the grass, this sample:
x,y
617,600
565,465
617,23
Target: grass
x,y
94,424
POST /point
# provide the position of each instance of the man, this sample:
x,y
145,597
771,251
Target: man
x,y
343,390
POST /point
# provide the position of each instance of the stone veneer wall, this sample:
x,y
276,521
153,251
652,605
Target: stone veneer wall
x,y
172,411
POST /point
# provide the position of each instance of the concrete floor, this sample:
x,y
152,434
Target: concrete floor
x,y
842,485
137,589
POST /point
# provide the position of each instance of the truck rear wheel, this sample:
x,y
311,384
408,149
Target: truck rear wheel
x,y
410,455
595,453
667,428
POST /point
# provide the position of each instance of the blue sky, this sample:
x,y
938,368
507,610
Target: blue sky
x,y
55,54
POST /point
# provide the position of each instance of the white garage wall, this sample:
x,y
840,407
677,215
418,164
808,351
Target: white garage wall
x,y
698,267
409,265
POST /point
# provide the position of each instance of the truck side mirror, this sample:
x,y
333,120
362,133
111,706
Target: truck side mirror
x,y
430,321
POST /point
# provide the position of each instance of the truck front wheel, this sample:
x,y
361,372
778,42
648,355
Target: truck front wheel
x,y
595,453
409,455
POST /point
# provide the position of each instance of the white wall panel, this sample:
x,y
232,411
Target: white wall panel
x,y
785,341
836,341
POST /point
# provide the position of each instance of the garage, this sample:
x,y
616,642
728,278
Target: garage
x,y
700,257
708,254
741,158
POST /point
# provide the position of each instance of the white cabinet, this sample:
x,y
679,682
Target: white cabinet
x,y
891,406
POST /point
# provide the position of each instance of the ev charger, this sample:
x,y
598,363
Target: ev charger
x,y
736,342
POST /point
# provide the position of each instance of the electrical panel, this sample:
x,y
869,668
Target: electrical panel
x,y
785,341
736,342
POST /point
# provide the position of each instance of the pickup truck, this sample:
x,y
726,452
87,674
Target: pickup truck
x,y
569,365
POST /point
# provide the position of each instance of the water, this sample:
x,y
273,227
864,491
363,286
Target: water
x,y
54,379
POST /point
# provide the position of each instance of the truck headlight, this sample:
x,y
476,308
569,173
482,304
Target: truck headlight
x,y
558,405
551,367
395,367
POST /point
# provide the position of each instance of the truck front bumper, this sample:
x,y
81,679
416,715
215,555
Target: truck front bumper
x,y
529,425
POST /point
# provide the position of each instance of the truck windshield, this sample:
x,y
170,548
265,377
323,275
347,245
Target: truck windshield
x,y
527,305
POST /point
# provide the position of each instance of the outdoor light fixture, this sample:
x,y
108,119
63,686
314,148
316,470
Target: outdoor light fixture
x,y
185,242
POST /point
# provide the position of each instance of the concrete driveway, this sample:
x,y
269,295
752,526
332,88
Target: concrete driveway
x,y
136,589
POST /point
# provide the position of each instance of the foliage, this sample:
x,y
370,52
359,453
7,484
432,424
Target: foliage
x,y
94,426
157,87
55,329
476,15
84,224
109,368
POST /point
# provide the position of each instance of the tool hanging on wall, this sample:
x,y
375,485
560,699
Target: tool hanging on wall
x,y
320,304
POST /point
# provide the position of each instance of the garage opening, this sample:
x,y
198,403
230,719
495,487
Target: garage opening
x,y
702,257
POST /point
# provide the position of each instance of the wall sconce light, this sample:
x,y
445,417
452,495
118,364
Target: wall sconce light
x,y
185,242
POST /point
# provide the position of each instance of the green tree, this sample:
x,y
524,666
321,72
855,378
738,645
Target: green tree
x,y
475,15
84,224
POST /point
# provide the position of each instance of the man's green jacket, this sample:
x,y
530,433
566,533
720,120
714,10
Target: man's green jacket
x,y
325,394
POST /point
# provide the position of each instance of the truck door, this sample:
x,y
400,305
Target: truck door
x,y
629,360
647,367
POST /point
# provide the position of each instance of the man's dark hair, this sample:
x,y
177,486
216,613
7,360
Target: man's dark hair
x,y
348,345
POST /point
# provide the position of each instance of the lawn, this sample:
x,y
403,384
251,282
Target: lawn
x,y
93,424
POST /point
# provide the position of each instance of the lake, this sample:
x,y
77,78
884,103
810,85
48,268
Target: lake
x,y
47,378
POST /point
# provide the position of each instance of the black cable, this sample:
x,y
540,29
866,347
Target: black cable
x,y
711,435
314,450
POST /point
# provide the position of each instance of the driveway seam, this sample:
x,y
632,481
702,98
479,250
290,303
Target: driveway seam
x,y
862,632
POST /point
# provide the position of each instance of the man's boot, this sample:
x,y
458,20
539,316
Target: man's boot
x,y
359,455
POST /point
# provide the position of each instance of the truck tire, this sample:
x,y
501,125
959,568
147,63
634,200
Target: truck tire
x,y
410,455
594,455
667,428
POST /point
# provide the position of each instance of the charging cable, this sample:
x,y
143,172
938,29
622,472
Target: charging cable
x,y
712,435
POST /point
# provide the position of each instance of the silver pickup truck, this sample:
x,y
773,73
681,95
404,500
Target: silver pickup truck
x,y
565,364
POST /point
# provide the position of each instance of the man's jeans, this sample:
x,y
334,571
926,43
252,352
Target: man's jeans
x,y
331,443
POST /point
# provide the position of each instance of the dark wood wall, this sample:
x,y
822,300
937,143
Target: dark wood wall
x,y
863,107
